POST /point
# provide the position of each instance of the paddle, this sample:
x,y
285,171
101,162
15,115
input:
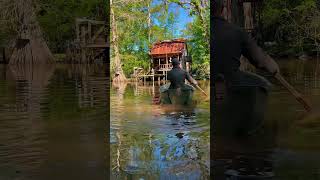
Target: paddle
x,y
201,90
294,92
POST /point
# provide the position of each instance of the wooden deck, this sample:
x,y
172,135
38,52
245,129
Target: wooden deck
x,y
141,75
90,41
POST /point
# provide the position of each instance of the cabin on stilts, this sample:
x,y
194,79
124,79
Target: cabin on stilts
x,y
161,54
90,42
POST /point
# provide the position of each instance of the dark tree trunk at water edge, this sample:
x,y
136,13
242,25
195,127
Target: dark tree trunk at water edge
x,y
29,44
119,76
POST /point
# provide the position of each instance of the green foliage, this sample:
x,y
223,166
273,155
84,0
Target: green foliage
x,y
133,30
198,44
293,24
57,19
201,71
5,36
131,18
130,61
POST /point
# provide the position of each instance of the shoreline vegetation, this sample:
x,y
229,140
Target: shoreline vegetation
x,y
285,29
134,27
290,28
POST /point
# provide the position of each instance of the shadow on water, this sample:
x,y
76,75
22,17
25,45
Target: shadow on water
x,y
53,122
155,142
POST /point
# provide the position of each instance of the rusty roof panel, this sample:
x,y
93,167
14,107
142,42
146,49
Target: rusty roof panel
x,y
168,47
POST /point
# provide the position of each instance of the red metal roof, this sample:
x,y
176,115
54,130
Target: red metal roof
x,y
168,47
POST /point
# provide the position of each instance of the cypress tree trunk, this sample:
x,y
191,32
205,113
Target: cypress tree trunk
x,y
119,76
30,46
149,23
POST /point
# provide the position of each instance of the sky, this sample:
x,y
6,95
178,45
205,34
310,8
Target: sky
x,y
183,17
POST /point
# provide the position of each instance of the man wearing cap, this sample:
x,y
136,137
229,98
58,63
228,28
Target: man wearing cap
x,y
240,116
245,92
177,76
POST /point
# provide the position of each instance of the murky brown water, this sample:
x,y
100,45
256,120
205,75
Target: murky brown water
x,y
53,122
53,125
297,150
287,148
158,142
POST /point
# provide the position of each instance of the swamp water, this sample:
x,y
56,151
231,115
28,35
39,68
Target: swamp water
x,y
150,141
53,122
53,125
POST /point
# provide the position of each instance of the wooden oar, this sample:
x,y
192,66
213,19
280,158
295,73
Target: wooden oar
x,y
201,90
294,92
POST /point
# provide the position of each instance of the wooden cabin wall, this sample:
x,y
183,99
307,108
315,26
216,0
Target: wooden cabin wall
x,y
2,55
248,16
155,61
241,12
237,13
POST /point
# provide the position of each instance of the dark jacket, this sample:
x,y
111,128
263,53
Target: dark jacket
x,y
229,43
177,77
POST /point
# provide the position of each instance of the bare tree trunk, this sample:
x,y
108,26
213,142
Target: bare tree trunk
x,y
248,17
119,75
149,22
30,46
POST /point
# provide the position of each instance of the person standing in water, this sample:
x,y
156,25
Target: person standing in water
x,y
239,119
246,93
177,77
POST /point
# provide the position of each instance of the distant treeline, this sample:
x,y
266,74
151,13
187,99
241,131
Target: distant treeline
x,y
292,27
56,18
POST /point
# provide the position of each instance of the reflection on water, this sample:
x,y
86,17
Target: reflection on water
x,y
297,155
288,147
52,122
153,142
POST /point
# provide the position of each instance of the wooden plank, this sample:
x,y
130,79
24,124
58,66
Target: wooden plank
x,y
3,54
166,59
97,46
89,33
83,35
226,10
82,20
83,41
97,33
187,66
248,18
77,31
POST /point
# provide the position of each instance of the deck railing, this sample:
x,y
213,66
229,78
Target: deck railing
x,y
165,67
